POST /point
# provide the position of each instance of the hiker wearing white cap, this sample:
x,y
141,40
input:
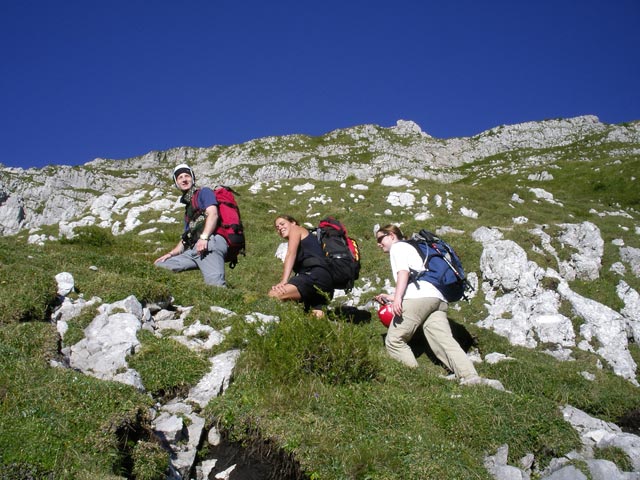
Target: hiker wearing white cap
x,y
200,247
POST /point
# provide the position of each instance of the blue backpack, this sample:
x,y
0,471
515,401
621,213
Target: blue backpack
x,y
443,267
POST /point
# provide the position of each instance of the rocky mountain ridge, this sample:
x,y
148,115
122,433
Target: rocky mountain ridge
x,y
35,197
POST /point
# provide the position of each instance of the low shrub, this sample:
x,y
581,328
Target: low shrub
x,y
301,345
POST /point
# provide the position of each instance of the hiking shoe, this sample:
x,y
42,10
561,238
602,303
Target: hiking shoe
x,y
493,384
471,380
478,380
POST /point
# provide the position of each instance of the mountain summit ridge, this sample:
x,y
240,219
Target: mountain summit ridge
x,y
44,196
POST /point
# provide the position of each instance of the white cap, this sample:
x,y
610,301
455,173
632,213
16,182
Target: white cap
x,y
183,168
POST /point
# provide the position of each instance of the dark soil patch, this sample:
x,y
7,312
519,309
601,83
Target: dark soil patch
x,y
630,422
259,460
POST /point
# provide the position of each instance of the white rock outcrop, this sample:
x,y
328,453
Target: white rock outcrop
x,y
521,309
36,197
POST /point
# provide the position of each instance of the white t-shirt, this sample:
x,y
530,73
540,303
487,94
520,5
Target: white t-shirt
x,y
405,257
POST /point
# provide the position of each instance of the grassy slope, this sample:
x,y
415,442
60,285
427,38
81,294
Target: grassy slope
x,y
324,391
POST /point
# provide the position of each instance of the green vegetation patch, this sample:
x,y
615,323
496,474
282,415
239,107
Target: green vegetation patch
x,y
167,367
401,423
58,420
337,353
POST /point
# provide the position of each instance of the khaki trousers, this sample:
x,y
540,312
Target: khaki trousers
x,y
431,314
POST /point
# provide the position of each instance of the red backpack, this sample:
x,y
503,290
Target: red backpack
x,y
229,222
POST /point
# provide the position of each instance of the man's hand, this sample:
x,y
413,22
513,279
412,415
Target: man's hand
x,y
202,246
164,257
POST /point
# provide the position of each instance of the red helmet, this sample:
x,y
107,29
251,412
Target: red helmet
x,y
385,313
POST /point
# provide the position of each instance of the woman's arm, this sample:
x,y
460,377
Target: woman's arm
x,y
401,287
295,237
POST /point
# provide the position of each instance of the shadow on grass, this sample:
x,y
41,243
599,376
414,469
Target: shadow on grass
x,y
419,345
350,314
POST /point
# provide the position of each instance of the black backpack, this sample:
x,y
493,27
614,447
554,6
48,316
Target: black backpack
x,y
443,267
342,252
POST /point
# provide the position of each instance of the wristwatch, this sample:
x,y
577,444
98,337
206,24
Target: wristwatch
x,y
204,237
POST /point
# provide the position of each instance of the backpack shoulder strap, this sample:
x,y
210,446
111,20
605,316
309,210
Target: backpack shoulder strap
x,y
415,244
315,231
194,198
415,275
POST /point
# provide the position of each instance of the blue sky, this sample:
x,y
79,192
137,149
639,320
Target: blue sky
x,y
117,79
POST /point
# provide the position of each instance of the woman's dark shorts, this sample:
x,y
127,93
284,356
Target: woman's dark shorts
x,y
315,286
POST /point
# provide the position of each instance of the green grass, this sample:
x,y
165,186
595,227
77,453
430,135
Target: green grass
x,y
324,391
57,420
167,368
398,423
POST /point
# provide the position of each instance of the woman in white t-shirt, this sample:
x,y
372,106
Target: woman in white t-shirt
x,y
415,307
